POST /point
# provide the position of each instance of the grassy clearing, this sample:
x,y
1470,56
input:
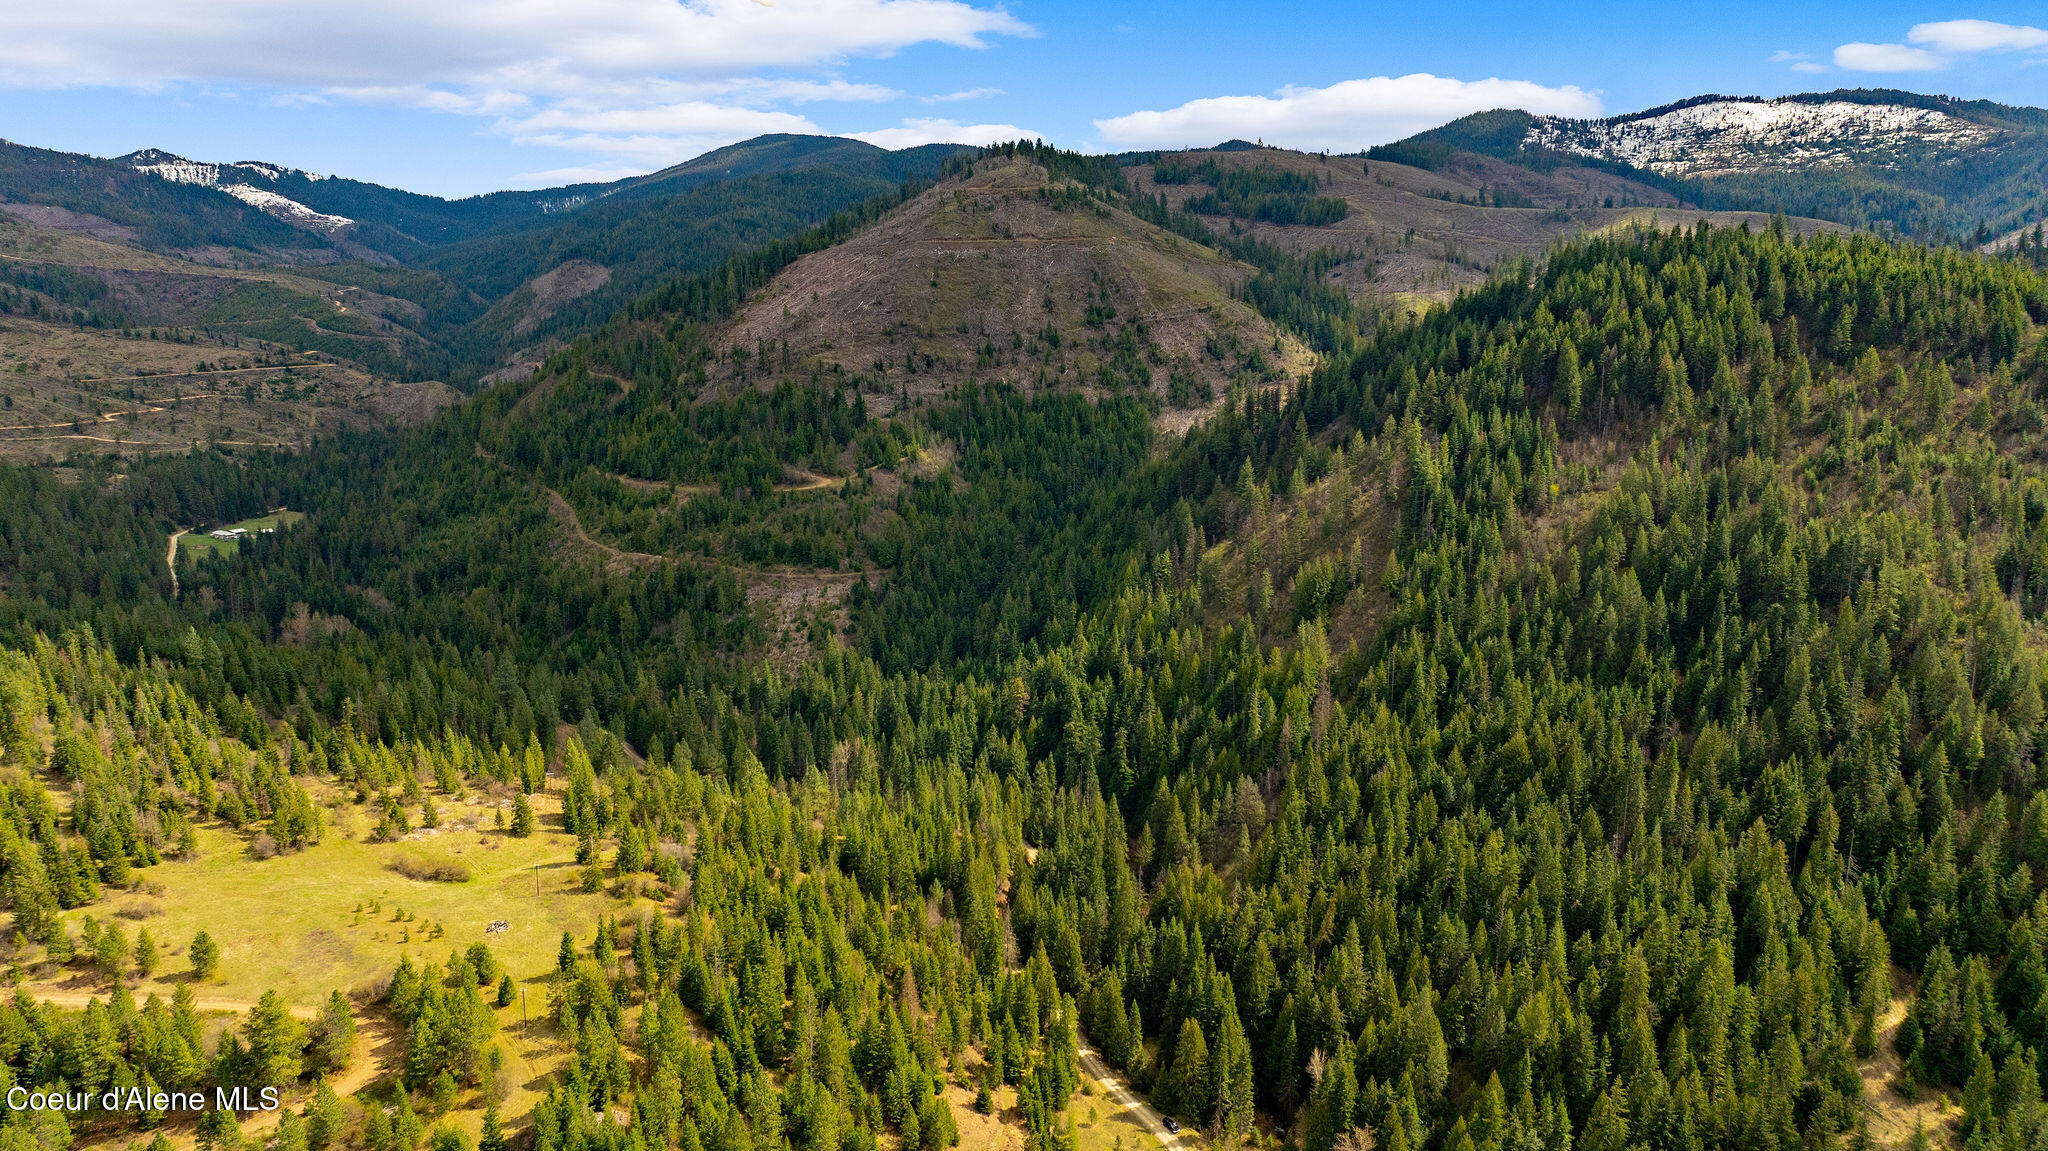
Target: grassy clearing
x,y
292,923
196,545
1100,1124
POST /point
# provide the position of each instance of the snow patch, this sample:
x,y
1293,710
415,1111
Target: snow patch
x,y
183,171
285,208
1729,136
178,170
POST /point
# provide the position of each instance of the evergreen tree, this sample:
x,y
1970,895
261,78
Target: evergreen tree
x,y
204,956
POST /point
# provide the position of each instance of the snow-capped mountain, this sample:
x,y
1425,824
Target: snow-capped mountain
x,y
1721,136
240,181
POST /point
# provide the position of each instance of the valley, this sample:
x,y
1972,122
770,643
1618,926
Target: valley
x,y
1527,637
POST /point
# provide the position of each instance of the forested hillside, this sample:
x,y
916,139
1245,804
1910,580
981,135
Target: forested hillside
x,y
424,290
1599,712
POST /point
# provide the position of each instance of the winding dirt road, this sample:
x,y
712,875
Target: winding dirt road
x,y
565,512
171,558
75,999
151,408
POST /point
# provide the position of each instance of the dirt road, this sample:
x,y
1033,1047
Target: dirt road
x,y
1152,1121
171,558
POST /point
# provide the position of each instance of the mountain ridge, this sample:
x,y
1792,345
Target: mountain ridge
x,y
1879,157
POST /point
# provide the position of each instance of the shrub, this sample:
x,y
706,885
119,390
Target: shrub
x,y
430,870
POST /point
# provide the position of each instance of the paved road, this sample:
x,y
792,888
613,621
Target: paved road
x,y
1095,1067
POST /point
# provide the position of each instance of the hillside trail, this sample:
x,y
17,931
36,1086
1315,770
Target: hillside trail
x,y
564,511
76,998
810,482
160,376
109,417
800,481
1893,1117
1143,1111
171,558
377,1044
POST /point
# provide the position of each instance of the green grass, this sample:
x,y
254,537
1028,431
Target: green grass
x,y
290,923
1101,1125
196,544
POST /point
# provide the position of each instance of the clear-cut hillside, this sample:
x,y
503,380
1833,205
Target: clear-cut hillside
x,y
1011,276
1423,230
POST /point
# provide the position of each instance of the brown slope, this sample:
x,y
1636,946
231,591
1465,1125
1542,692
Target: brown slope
x,y
968,281
1414,233
65,387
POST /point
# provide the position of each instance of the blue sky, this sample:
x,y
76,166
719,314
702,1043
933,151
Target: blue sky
x,y
456,97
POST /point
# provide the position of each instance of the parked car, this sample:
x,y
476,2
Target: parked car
x,y
1172,1124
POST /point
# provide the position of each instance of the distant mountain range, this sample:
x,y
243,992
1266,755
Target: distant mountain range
x,y
468,283
464,289
403,224
1926,166
1929,167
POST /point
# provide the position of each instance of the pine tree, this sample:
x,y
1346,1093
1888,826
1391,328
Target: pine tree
x,y
205,957
219,1131
1231,1076
110,950
145,953
323,1117
291,1133
1331,1102
1187,1082
335,1036
276,1041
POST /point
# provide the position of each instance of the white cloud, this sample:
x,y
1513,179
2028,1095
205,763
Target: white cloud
x,y
914,132
963,94
755,89
1978,36
635,81
580,174
1345,116
1939,44
1858,56
461,43
1800,61
655,137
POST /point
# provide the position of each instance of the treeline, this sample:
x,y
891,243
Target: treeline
x,y
55,292
1260,192
140,1054
143,760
